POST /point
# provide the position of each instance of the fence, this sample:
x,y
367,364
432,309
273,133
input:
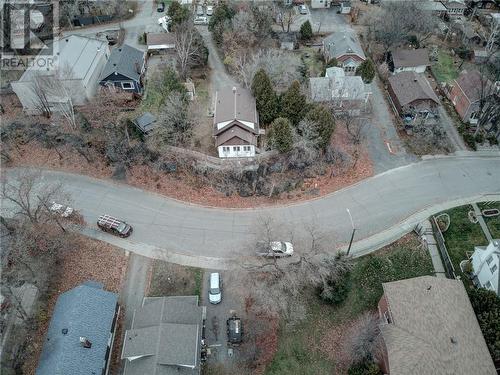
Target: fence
x,y
438,235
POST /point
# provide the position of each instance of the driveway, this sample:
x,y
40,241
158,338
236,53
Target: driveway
x,y
385,148
451,130
383,208
327,20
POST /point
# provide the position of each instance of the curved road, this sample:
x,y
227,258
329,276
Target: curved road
x,y
383,208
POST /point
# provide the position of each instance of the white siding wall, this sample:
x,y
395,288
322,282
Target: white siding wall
x,y
320,3
236,151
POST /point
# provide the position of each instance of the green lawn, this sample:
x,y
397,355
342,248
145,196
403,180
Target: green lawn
x,y
444,69
493,223
462,235
401,260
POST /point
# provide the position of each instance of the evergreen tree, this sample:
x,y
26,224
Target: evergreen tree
x,y
265,97
223,14
324,124
293,104
281,135
306,31
177,13
366,70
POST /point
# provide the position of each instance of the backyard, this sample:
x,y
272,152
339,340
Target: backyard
x,y
168,279
444,69
315,345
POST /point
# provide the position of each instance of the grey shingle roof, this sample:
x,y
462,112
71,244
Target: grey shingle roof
x,y
405,58
145,122
165,337
343,42
85,311
125,60
434,330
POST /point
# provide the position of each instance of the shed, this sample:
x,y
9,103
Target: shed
x,y
145,123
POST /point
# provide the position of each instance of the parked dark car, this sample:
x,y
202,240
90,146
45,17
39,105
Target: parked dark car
x,y
161,7
234,330
114,226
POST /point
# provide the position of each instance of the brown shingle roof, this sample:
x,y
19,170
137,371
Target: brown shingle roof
x,y
405,58
471,84
160,38
235,131
410,86
434,329
235,105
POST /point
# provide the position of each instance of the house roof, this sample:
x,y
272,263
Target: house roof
x,y
406,58
471,84
411,86
85,311
124,60
336,85
343,42
235,131
145,122
76,56
455,5
165,337
482,269
433,6
160,38
434,330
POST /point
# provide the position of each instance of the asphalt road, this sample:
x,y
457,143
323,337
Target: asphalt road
x,y
380,207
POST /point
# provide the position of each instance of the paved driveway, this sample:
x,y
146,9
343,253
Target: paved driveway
x,y
327,20
383,208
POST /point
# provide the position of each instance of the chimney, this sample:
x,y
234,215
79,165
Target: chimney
x,y
234,93
85,342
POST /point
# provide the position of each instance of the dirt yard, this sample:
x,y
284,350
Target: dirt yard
x,y
91,260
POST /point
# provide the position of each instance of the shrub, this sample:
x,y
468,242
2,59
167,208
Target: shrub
x,y
470,140
281,134
306,32
492,139
324,123
337,289
365,368
366,70
479,138
293,104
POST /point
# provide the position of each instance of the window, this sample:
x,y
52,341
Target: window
x,y
489,259
236,148
225,149
487,285
127,85
494,268
246,148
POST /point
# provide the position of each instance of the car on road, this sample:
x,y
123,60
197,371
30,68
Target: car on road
x,y
302,9
274,249
114,226
64,211
201,20
234,330
210,10
215,290
161,7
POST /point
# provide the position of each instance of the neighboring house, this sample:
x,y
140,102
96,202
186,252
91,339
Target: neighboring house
x,y
288,41
412,96
236,123
321,3
81,332
406,60
165,337
145,123
79,61
455,8
345,93
465,93
428,327
158,42
485,263
345,7
435,7
125,69
344,46
482,4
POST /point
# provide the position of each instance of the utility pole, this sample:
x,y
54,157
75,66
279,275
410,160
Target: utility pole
x,y
353,231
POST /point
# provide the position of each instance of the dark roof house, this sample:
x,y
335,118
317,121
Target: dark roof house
x,y
428,327
411,91
416,60
165,337
146,122
81,332
124,69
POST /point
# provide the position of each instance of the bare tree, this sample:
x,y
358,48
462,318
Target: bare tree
x,y
286,17
488,114
28,196
188,47
39,86
364,340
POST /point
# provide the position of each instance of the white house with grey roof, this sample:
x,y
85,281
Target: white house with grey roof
x,y
344,47
236,123
78,64
165,337
485,264
81,332
125,69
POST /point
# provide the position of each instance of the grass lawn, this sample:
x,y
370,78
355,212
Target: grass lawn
x,y
462,235
299,348
168,279
312,59
493,223
444,69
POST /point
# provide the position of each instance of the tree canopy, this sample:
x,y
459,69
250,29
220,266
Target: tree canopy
x,y
281,134
265,97
366,70
293,104
306,32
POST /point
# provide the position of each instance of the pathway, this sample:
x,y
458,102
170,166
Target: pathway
x,y
482,223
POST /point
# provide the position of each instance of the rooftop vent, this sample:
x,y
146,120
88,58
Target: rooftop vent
x,y
64,331
85,342
453,340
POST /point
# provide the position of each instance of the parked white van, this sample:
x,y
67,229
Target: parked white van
x,y
215,292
